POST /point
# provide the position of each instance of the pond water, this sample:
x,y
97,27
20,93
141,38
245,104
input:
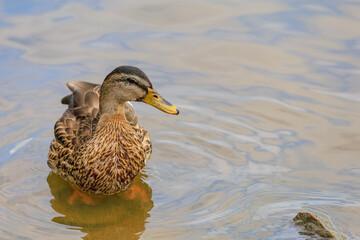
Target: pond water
x,y
269,99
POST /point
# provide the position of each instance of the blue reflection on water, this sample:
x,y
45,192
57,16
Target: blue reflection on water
x,y
35,7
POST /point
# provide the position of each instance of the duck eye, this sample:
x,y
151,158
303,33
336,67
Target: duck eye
x,y
127,81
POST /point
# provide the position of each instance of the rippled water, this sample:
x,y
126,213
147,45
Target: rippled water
x,y
269,97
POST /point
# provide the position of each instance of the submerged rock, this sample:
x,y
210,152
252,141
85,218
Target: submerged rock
x,y
313,226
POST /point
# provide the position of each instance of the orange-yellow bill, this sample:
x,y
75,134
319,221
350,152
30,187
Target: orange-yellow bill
x,y
155,100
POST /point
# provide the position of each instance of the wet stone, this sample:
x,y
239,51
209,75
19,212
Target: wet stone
x,y
315,227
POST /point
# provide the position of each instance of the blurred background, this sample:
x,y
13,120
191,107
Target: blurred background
x,y
268,93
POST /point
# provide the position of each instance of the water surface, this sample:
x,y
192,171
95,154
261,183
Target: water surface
x,y
269,97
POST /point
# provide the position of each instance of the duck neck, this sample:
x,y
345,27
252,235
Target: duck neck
x,y
111,107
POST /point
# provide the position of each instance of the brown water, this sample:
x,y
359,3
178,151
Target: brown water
x,y
269,97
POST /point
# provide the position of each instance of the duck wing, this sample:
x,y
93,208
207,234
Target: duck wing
x,y
80,119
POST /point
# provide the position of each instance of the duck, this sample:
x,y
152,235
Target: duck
x,y
99,147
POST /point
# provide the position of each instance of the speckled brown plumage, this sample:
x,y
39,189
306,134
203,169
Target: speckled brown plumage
x,y
102,162
99,153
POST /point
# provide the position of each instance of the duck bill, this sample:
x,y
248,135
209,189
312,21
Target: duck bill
x,y
154,99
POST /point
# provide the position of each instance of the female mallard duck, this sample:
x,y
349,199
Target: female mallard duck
x,y
99,147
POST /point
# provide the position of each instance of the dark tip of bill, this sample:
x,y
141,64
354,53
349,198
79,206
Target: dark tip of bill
x,y
177,112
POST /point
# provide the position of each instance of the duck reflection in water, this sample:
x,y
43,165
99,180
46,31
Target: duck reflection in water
x,y
119,216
